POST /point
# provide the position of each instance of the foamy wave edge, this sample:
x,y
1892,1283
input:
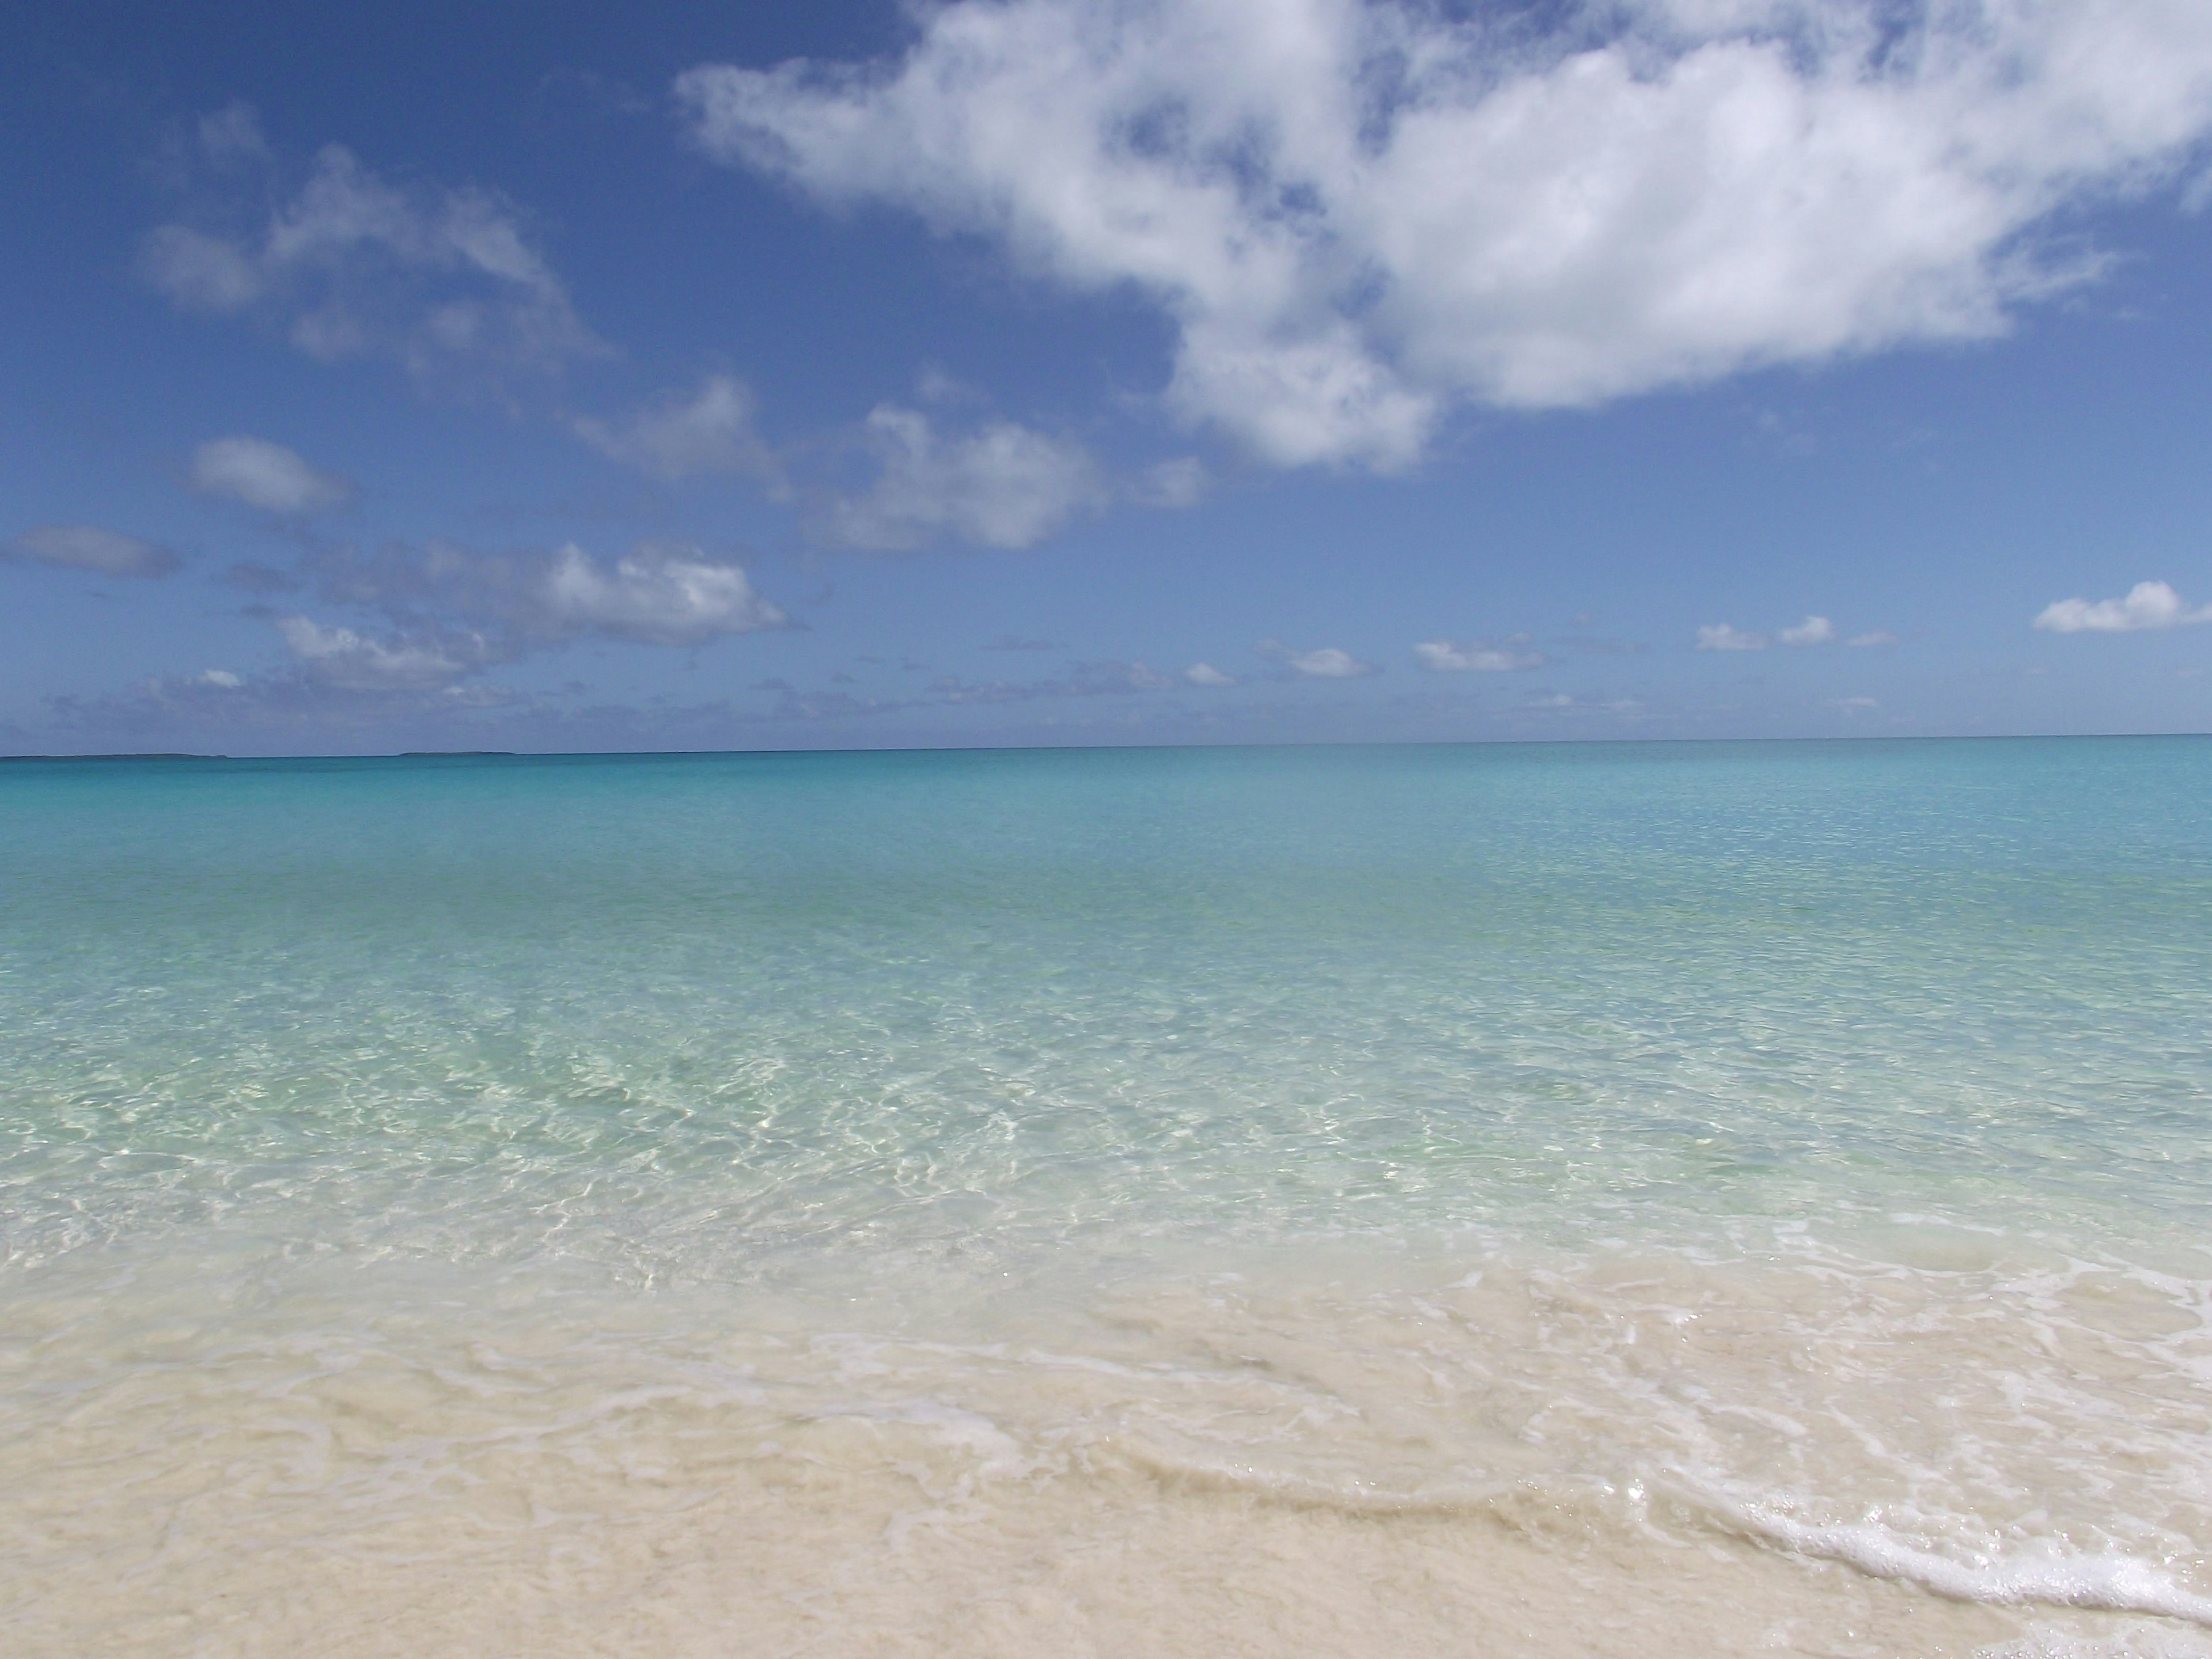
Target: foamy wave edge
x,y
2111,1583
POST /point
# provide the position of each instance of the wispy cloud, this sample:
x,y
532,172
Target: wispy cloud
x,y
1179,483
448,281
679,436
1084,679
1477,656
453,613
265,474
1872,637
656,593
1206,674
1566,704
90,547
1325,662
1720,636
2148,605
1356,216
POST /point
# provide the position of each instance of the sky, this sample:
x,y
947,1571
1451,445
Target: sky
x,y
569,377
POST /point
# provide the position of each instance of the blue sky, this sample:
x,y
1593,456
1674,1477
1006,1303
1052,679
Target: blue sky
x,y
1042,371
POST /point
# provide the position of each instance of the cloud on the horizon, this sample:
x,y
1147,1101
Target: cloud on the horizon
x,y
266,476
1720,636
447,280
1325,662
1477,656
2148,605
358,662
1358,216
1002,485
678,437
656,593
453,613
1083,679
1813,630
91,547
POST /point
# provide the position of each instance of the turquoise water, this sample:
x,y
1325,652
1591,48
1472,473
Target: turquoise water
x,y
964,1051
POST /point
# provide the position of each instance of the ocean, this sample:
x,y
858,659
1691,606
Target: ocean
x,y
1645,1200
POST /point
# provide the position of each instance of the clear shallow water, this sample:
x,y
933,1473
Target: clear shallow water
x,y
1642,1199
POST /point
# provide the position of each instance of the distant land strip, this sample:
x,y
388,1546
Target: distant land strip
x,y
110,758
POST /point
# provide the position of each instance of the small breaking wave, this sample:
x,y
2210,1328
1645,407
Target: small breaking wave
x,y
2110,1581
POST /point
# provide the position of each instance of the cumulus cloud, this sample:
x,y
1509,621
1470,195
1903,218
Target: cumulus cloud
x,y
358,662
90,547
1355,214
1325,662
264,475
1813,630
1719,637
443,279
456,612
658,593
1206,674
1002,485
1477,656
2149,605
679,437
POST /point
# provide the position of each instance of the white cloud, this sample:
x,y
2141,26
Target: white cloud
x,y
222,679
1477,656
518,600
1359,214
438,278
264,475
1206,674
2149,605
1003,485
1853,705
1813,630
662,596
1719,637
357,662
1873,636
232,136
90,547
1137,676
201,272
1325,662
1178,482
711,431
